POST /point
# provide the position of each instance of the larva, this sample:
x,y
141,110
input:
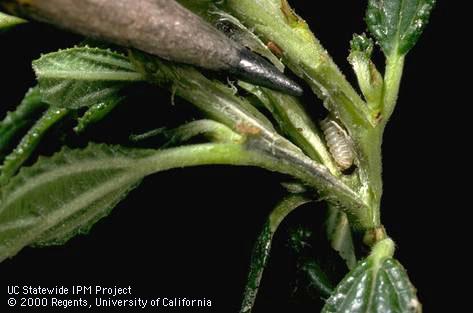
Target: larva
x,y
338,143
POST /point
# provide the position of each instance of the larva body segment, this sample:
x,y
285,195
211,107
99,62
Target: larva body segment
x,y
338,143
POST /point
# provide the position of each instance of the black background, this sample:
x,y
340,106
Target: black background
x,y
189,233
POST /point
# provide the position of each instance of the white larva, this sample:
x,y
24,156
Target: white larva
x,y
338,143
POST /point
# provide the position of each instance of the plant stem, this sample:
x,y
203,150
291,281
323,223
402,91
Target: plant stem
x,y
383,249
370,140
392,82
370,171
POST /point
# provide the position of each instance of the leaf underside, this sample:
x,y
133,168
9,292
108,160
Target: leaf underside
x,y
71,191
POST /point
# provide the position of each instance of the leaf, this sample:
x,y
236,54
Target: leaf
x,y
398,24
63,195
377,284
262,248
83,76
21,118
8,21
29,142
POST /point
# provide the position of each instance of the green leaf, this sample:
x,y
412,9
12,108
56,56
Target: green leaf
x,y
21,118
398,24
29,142
377,284
83,76
62,195
8,21
262,248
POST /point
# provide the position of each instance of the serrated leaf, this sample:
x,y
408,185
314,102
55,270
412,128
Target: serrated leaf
x,y
23,116
8,21
375,285
398,24
63,195
83,76
81,222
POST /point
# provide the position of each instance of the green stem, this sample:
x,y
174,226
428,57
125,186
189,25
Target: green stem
x,y
370,172
370,141
392,82
255,152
